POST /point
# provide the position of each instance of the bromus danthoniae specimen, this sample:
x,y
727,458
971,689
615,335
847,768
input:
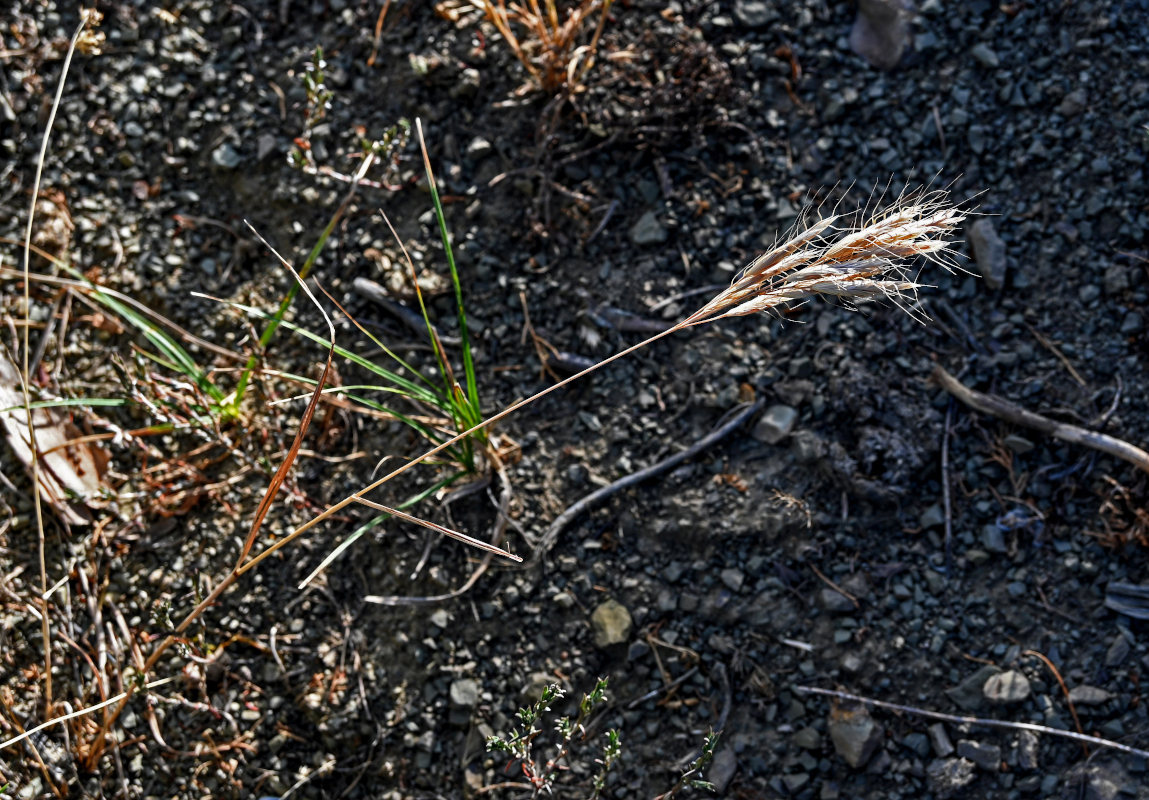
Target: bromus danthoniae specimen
x,y
851,257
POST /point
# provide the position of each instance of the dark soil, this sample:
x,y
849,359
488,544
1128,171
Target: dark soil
x,y
819,560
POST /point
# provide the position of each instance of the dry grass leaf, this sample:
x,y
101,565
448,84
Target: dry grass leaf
x,y
71,471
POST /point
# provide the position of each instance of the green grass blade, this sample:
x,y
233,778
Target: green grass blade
x,y
427,394
460,310
91,402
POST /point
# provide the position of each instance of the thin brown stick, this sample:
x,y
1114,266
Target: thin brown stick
x,y
946,491
1064,690
1004,409
499,529
988,723
378,33
835,587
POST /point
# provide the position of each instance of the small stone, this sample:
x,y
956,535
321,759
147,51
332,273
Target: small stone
x,y
1118,651
833,601
226,157
1007,687
648,230
988,252
1116,279
993,539
1027,743
467,83
775,424
940,740
984,55
986,756
881,32
932,517
1132,323
464,693
440,618
855,734
948,776
611,624
266,145
1086,695
733,578
852,663
1073,103
918,742
968,694
808,739
754,13
479,147
795,781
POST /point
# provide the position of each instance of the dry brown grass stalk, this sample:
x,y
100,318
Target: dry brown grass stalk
x,y
867,260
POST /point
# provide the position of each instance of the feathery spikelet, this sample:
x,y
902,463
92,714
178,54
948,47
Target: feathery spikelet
x,y
840,256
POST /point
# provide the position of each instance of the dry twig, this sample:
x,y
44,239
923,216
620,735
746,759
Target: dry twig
x,y
1004,409
988,723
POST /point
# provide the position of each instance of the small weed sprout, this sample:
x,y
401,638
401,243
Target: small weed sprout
x,y
519,745
319,99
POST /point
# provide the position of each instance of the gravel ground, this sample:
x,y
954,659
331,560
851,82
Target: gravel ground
x,y
806,550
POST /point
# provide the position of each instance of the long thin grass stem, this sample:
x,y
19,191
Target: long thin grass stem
x,y
440,448
45,625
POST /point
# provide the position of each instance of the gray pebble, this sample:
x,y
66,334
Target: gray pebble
x,y
989,252
1086,695
984,55
1118,651
226,157
947,777
648,230
855,734
1007,688
940,740
775,424
986,756
611,624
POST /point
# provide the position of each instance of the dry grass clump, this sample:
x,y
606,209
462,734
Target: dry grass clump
x,y
548,47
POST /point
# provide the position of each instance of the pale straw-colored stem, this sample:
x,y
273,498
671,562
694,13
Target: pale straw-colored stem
x,y
440,448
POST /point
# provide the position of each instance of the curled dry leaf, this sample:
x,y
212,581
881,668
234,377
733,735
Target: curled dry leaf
x,y
71,470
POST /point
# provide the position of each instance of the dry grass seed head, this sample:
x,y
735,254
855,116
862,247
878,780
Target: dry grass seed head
x,y
845,256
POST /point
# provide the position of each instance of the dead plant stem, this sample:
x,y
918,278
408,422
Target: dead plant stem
x,y
354,498
45,625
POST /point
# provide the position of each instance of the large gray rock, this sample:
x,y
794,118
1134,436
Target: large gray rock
x,y
775,424
881,31
611,624
968,694
855,734
988,252
1007,688
648,230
